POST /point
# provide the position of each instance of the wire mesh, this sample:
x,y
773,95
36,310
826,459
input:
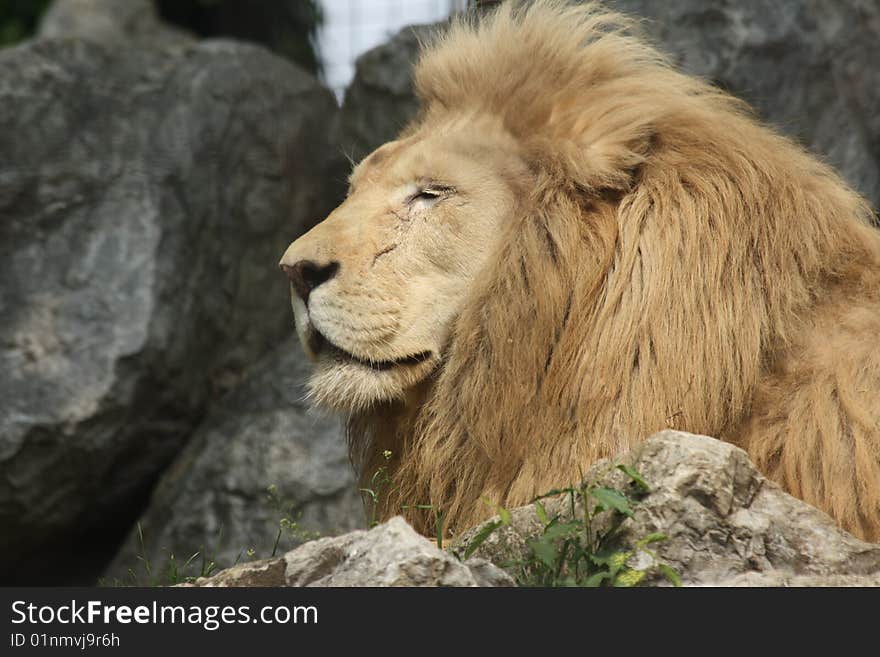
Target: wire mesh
x,y
351,27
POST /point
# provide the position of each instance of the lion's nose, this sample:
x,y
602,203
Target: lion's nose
x,y
307,275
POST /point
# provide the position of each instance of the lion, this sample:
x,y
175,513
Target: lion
x,y
572,247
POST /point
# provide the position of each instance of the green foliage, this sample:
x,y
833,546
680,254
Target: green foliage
x,y
172,571
579,545
203,562
438,520
19,18
289,517
480,537
575,548
380,482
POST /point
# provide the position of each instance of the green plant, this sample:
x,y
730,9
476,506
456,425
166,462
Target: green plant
x,y
580,544
204,563
438,520
288,522
379,483
172,571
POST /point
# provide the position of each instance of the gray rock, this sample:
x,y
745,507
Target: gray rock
x,y
144,207
390,554
109,22
726,524
809,67
784,580
261,434
381,100
263,572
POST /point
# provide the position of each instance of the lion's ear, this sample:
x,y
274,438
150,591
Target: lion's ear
x,y
599,150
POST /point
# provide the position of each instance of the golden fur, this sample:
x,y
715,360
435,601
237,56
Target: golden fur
x,y
670,262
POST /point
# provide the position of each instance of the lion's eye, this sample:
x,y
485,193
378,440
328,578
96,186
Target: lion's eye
x,y
428,196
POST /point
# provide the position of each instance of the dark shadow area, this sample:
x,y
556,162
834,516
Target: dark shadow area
x,y
285,26
19,18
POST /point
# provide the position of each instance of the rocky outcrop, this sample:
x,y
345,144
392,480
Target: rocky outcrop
x,y
214,498
109,22
726,525
390,554
808,67
144,210
787,580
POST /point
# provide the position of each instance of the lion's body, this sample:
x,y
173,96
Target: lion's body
x,y
675,264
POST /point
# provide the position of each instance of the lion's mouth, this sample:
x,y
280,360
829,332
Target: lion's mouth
x,y
321,345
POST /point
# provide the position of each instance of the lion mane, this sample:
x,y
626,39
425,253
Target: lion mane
x,y
676,264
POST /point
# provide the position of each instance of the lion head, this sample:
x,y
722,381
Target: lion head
x,y
574,246
377,286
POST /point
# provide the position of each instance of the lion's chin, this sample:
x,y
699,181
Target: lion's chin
x,y
352,387
344,382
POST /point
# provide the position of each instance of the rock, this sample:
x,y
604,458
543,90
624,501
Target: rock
x,y
261,434
381,100
265,572
109,22
390,554
781,579
144,209
808,67
725,523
